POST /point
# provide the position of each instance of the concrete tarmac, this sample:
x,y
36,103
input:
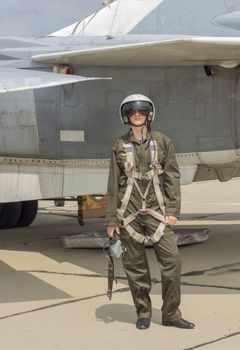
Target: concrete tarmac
x,y
55,298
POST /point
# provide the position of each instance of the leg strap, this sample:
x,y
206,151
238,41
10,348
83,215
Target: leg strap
x,y
135,235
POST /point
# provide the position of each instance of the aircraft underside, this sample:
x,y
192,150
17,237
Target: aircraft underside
x,y
56,142
57,130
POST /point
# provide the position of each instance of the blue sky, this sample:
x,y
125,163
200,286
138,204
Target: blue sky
x,y
40,17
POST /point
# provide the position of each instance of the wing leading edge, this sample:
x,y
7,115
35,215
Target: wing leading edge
x,y
12,79
180,51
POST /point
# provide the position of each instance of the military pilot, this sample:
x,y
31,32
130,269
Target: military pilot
x,y
143,203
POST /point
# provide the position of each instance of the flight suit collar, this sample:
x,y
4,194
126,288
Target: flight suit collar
x,y
131,138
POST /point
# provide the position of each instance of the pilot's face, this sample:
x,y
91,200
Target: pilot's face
x,y
138,118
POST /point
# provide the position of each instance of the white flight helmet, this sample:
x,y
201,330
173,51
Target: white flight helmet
x,y
136,102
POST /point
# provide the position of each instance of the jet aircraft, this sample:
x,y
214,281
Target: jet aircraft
x,y
59,97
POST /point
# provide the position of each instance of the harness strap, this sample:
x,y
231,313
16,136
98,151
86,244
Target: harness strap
x,y
156,215
139,237
135,235
149,175
143,196
152,176
158,233
129,219
125,222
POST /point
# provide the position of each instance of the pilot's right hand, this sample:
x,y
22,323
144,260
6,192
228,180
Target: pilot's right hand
x,y
111,229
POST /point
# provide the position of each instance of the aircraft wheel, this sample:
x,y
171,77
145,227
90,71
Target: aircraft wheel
x,y
59,202
9,214
28,213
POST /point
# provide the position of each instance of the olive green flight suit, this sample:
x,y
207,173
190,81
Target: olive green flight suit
x,y
134,259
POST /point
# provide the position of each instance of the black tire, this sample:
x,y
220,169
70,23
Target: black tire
x,y
28,213
59,202
9,214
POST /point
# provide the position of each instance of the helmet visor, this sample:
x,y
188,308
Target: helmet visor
x,y
129,107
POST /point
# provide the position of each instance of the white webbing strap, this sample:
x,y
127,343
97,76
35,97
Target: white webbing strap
x,y
156,215
152,176
143,196
144,238
135,235
149,175
126,221
158,233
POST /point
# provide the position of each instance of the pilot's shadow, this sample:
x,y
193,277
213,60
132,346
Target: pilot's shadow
x,y
122,313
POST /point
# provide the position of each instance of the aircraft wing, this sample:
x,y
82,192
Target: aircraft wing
x,y
174,51
12,79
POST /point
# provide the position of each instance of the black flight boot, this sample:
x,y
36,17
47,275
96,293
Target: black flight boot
x,y
180,323
143,323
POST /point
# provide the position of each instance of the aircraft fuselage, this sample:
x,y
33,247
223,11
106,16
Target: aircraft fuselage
x,y
59,139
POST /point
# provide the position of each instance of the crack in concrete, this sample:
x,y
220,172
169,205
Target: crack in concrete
x,y
52,306
65,273
213,341
154,280
125,289
120,290
216,268
209,286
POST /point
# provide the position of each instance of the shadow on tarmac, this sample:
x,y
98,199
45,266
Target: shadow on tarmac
x,y
122,313
211,267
